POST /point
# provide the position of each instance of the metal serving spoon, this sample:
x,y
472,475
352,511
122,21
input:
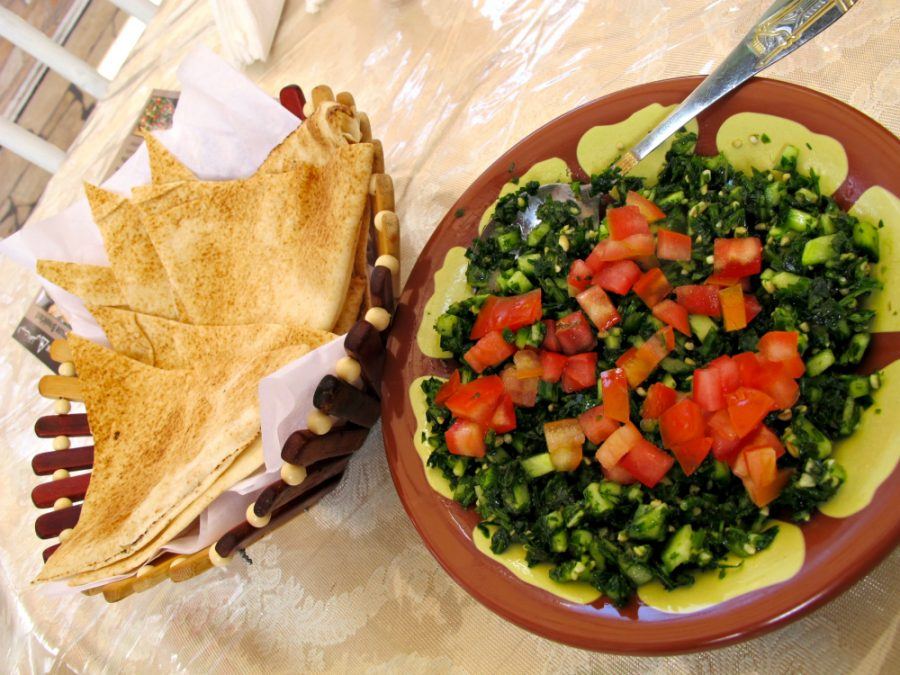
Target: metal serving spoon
x,y
784,27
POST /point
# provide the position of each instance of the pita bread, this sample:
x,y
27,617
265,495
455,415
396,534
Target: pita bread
x,y
170,344
94,284
247,461
331,126
161,439
164,166
132,257
353,305
270,248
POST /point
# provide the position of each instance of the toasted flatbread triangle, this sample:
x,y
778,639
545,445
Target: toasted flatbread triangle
x,y
270,248
164,166
132,257
171,344
331,126
94,284
161,439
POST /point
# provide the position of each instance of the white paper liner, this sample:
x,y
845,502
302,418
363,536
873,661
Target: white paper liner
x,y
223,128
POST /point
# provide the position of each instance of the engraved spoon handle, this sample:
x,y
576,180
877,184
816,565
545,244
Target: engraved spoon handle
x,y
785,26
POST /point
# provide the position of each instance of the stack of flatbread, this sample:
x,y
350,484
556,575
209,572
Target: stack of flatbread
x,y
211,286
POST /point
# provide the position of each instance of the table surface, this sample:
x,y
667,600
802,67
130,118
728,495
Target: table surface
x,y
349,586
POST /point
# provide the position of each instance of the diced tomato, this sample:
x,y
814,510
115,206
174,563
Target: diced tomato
x,y
448,388
626,221
504,417
490,350
652,287
760,465
580,372
725,439
763,495
691,454
734,315
522,391
729,373
635,246
747,408
618,475
513,312
575,334
749,368
597,305
681,423
528,364
565,440
763,437
618,444
618,277
722,280
466,438
751,307
707,389
647,463
477,399
648,209
550,342
737,257
660,398
597,426
675,315
775,382
552,365
640,362
699,300
614,390
782,346
579,275
672,245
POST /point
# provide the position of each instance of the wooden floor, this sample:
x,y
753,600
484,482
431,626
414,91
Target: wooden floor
x,y
56,110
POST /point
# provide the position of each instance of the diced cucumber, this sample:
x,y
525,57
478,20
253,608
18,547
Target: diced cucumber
x,y
671,199
518,499
800,221
446,324
827,224
639,573
775,192
818,250
597,502
721,471
536,236
649,522
580,542
537,465
807,195
856,349
865,236
508,241
804,435
819,362
701,325
559,541
612,342
526,262
513,281
789,157
678,549
790,284
675,366
858,387
850,417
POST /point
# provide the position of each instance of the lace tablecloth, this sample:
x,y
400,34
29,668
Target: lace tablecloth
x,y
349,586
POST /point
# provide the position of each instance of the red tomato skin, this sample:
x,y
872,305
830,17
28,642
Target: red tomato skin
x,y
575,334
752,308
614,388
626,221
551,342
635,246
617,277
747,408
652,287
737,257
660,398
513,312
504,417
552,365
775,382
675,315
522,391
648,209
448,388
596,425
690,455
672,245
617,474
699,300
749,367
580,372
734,313
647,463
639,362
599,308
681,423
763,495
708,392
490,350
477,399
782,346
580,275
725,450
763,437
565,441
617,445
466,438
729,373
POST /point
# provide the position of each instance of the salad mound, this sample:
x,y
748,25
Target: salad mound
x,y
651,374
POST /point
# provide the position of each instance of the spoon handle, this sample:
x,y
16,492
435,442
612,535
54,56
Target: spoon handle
x,y
785,26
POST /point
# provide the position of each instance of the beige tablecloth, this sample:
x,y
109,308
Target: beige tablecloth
x,y
449,85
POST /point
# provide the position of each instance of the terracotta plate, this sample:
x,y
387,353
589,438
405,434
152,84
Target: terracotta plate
x,y
838,551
